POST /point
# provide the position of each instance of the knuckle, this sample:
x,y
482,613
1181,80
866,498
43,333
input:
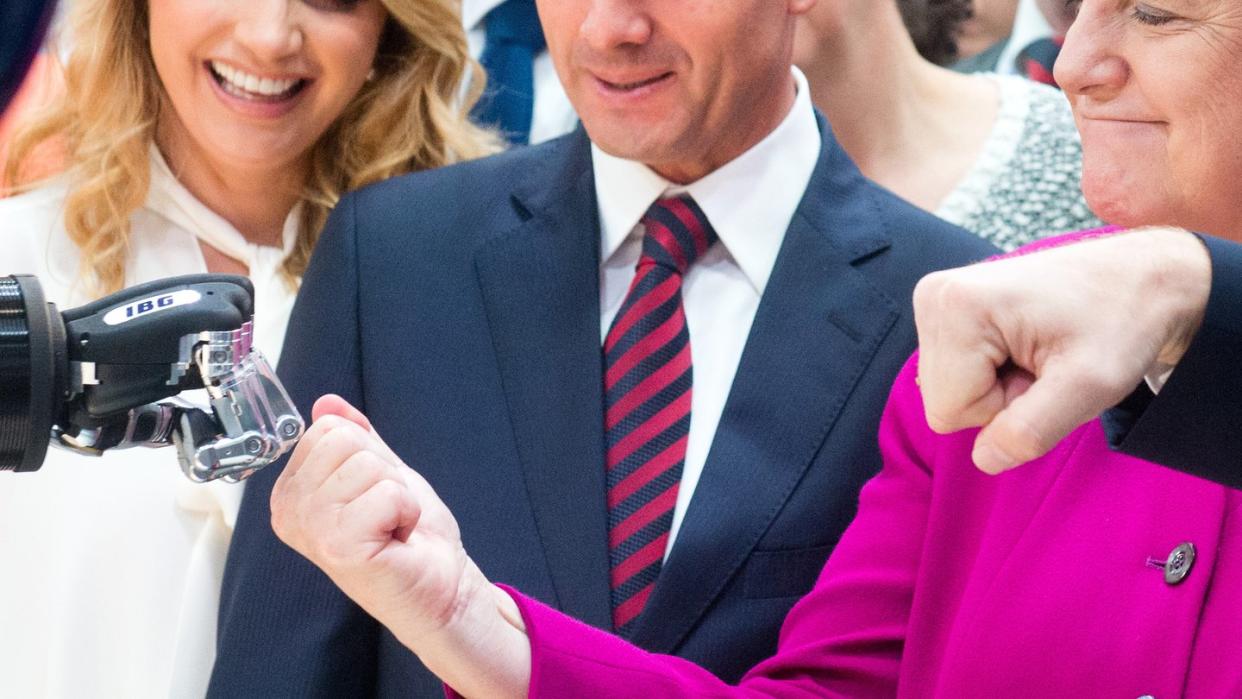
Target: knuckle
x,y
940,289
341,437
391,491
361,466
322,427
927,301
927,290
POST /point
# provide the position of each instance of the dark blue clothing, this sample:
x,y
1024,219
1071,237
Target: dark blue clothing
x,y
514,38
1195,424
459,308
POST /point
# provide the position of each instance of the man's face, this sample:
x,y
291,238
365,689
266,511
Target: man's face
x,y
684,86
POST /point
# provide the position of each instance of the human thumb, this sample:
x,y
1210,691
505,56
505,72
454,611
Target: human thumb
x,y
332,404
1034,420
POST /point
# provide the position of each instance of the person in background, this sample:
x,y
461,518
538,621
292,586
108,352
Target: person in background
x,y
523,98
646,367
981,36
42,84
195,137
935,26
1085,572
1031,45
997,155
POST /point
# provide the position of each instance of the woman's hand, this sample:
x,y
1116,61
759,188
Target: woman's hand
x,y
380,532
1031,347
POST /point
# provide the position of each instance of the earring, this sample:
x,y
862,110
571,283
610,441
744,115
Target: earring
x,y
371,75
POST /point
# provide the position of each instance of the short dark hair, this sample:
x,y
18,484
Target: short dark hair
x,y
934,25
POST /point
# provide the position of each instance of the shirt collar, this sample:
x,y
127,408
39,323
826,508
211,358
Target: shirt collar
x,y
749,201
170,199
473,11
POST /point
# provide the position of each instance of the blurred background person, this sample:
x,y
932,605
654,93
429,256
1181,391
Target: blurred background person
x,y
989,25
983,37
1029,45
524,99
41,85
39,89
997,155
195,137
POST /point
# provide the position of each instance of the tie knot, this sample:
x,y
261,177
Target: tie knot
x,y
515,22
678,233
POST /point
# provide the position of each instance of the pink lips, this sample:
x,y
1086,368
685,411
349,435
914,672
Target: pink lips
x,y
261,107
627,85
629,91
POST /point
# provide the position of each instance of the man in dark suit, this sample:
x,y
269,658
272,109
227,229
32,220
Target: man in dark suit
x,y
685,483
1092,321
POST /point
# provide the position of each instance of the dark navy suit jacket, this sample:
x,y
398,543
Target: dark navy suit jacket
x,y
1195,424
459,309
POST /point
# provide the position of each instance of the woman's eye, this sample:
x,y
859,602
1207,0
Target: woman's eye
x,y
1151,17
333,5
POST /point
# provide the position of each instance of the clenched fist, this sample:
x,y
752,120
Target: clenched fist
x,y
1031,347
377,528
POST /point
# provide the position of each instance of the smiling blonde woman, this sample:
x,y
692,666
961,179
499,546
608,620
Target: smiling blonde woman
x,y
196,137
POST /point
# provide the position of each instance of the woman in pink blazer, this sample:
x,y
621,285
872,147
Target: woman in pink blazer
x,y
1083,573
1070,576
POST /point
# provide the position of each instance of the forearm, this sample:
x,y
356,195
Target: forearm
x,y
481,651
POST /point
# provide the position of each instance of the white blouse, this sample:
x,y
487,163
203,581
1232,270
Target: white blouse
x,y
110,568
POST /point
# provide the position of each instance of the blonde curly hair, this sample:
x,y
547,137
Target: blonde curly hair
x,y
411,116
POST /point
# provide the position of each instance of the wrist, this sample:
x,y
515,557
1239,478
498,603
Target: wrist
x,y
509,610
483,648
1181,281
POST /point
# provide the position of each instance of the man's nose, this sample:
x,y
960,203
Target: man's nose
x,y
612,23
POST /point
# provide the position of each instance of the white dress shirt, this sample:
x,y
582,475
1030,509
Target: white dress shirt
x,y
750,202
112,566
554,115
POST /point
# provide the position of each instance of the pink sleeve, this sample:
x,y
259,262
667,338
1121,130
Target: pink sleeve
x,y
844,639
1057,241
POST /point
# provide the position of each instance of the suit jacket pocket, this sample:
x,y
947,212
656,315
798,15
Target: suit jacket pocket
x,y
783,573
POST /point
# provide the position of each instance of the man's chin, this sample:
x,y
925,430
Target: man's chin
x,y
632,139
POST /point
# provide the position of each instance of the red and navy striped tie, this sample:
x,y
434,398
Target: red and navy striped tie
x,y
647,383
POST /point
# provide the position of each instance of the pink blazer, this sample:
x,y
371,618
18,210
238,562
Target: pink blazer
x,y
951,583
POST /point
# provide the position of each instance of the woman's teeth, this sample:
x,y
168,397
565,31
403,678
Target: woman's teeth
x,y
241,84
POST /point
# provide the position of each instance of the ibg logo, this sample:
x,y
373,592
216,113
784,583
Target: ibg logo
x,y
154,304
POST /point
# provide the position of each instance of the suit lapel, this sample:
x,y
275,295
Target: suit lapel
x,y
816,329
540,287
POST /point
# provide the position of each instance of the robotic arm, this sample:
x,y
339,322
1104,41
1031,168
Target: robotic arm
x,y
107,376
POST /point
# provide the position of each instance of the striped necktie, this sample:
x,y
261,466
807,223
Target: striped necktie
x,y
647,384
